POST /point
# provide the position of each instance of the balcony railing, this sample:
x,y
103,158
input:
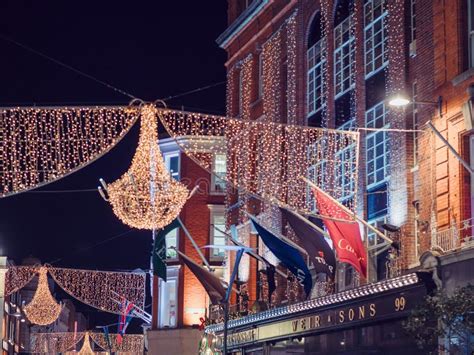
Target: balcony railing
x,y
451,238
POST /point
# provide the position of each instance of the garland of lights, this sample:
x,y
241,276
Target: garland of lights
x,y
47,343
42,343
94,288
274,142
131,343
18,277
326,76
146,196
99,288
41,145
291,50
43,308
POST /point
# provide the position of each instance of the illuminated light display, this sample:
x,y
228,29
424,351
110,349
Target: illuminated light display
x,y
43,308
146,196
42,145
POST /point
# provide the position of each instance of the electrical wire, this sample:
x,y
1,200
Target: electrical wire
x,y
67,66
93,246
59,191
193,91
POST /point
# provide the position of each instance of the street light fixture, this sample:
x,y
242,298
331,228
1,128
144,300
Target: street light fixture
x,y
399,100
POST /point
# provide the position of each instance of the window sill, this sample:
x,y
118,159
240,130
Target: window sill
x,y
469,73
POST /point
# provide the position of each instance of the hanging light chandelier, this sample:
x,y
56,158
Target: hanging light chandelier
x,y
146,196
43,308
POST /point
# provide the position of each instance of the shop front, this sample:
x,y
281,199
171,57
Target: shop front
x,y
364,320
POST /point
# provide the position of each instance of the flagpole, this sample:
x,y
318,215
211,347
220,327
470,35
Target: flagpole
x,y
348,211
251,253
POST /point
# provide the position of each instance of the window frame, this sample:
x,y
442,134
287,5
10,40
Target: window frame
x,y
370,27
349,125
317,70
167,156
385,142
172,275
216,211
215,178
345,49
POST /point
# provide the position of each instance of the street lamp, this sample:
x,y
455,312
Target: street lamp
x,y
399,100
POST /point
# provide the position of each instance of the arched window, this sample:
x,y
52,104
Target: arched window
x,y
316,67
344,47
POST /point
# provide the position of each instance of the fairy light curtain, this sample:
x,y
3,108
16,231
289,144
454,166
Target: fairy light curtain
x,y
41,145
47,343
95,288
280,154
98,288
18,277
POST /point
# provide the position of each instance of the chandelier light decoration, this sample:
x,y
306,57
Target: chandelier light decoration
x,y
43,308
280,154
95,288
146,196
131,343
41,145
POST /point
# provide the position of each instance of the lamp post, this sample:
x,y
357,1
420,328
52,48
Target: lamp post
x,y
399,100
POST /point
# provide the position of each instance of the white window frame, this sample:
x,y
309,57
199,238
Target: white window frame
x,y
377,121
172,275
470,32
168,250
369,50
316,61
342,50
216,211
215,178
374,241
167,158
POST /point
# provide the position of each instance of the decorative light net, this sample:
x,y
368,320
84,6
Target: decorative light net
x,y
18,277
42,145
52,343
267,159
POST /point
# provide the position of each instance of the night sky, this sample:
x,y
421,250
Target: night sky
x,y
151,49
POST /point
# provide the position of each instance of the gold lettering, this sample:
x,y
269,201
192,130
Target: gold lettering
x,y
318,321
351,314
303,324
295,325
372,309
361,312
341,316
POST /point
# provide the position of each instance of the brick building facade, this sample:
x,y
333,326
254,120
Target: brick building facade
x,y
179,303
336,65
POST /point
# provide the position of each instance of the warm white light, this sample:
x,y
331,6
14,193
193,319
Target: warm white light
x,y
399,101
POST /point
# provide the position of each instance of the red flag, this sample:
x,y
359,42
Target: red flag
x,y
345,235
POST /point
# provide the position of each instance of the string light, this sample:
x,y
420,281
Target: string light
x,y
131,343
18,277
94,288
43,308
64,342
42,145
47,343
146,196
99,288
274,147
291,50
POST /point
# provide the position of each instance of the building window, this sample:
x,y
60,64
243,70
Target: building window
x,y
168,299
317,169
316,80
470,23
376,51
219,169
260,76
216,237
416,126
413,19
345,167
373,239
171,241
172,164
377,147
344,54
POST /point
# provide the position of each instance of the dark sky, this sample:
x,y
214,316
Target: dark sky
x,y
151,49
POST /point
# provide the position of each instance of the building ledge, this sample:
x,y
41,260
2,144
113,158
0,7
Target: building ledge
x,y
463,77
241,21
